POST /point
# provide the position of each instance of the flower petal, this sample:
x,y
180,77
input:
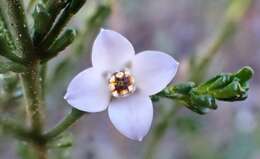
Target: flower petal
x,y
111,51
88,91
153,71
132,115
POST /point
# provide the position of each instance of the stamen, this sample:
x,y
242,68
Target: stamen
x,y
115,94
112,86
131,88
121,84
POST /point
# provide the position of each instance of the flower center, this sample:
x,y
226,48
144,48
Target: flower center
x,y
121,84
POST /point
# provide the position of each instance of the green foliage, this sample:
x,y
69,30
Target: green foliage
x,y
7,47
70,9
42,22
229,87
224,87
64,40
14,17
7,65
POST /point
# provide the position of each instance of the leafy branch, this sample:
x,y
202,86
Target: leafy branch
x,y
227,87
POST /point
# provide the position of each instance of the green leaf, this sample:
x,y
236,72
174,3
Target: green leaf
x,y
6,66
42,21
204,101
245,74
71,8
75,5
60,44
201,98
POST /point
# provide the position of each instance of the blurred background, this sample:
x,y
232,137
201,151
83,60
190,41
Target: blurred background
x,y
184,29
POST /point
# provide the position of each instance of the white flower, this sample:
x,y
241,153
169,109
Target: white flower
x,y
122,82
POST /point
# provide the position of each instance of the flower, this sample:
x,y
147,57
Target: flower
x,y
122,82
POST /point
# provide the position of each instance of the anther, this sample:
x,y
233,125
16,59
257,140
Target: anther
x,y
121,84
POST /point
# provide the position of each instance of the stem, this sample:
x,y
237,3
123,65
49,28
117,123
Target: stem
x,y
43,74
32,90
33,96
70,119
41,151
14,15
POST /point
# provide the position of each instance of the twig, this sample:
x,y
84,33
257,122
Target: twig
x,y
70,119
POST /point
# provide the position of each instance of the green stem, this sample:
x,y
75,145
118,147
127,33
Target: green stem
x,y
67,122
32,90
41,151
43,74
33,95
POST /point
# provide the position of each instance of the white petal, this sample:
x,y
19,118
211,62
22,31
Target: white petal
x,y
153,71
88,91
111,51
132,115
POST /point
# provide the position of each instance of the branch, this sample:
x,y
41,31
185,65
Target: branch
x,y
31,83
200,98
67,122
